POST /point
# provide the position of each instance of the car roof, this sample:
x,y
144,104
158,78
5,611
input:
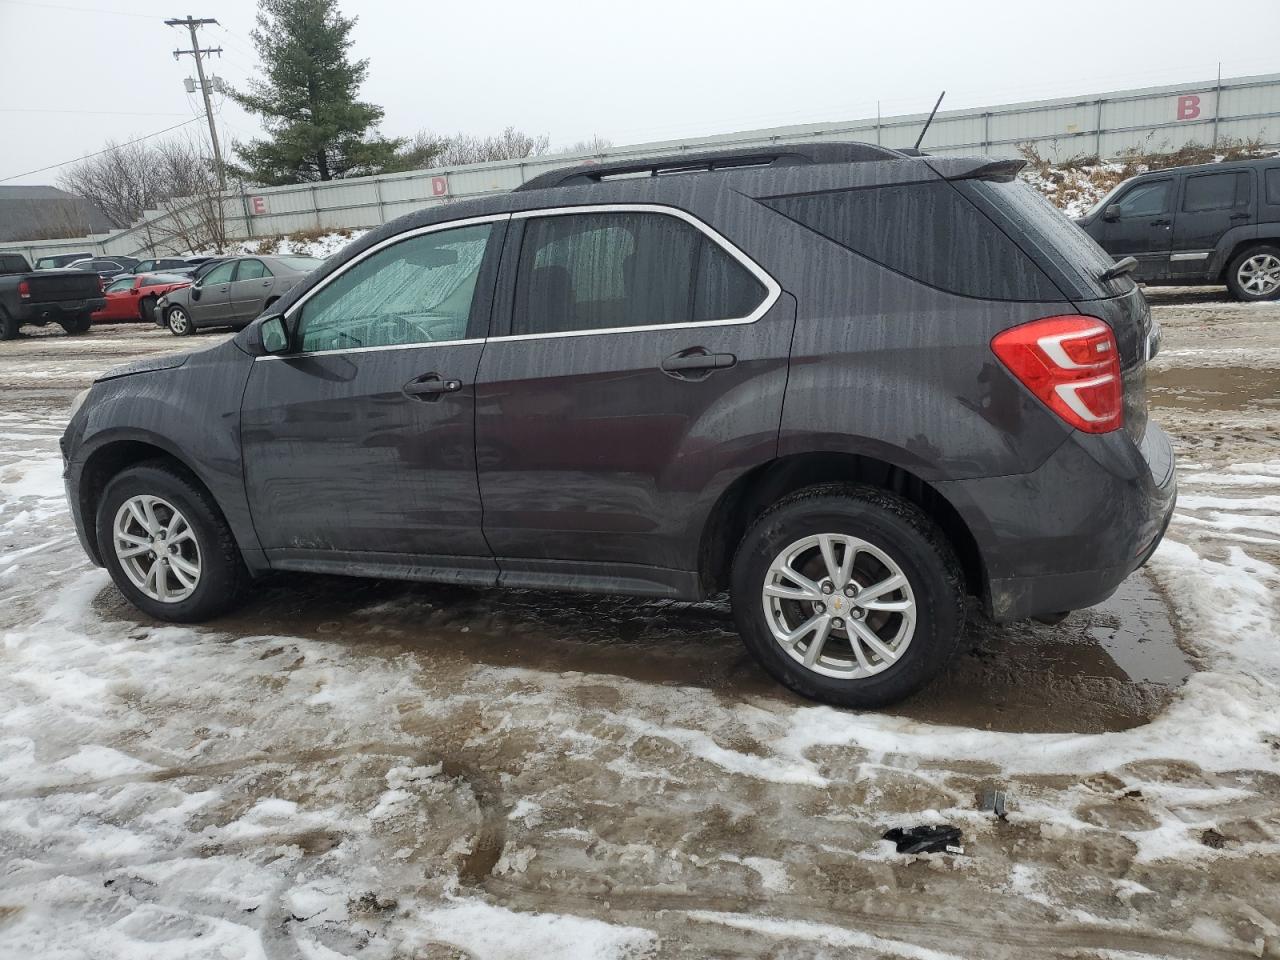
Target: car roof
x,y
1217,167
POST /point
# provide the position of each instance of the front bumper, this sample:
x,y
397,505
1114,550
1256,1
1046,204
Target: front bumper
x,y
1067,535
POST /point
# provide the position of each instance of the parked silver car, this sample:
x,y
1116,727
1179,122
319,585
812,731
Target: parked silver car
x,y
232,293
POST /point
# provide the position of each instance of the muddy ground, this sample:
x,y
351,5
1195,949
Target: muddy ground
x,y
374,769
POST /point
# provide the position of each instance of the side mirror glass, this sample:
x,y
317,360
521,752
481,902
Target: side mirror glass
x,y
274,334
1112,212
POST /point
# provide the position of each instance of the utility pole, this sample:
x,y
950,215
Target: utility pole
x,y
191,24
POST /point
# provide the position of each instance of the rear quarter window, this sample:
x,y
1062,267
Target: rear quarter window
x,y
1273,185
927,231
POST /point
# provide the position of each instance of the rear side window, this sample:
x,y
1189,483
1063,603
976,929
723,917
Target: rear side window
x,y
1216,191
601,271
252,270
1273,185
928,231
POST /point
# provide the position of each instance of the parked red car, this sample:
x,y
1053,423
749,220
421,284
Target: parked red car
x,y
132,298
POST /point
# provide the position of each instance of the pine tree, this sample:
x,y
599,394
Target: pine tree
x,y
317,127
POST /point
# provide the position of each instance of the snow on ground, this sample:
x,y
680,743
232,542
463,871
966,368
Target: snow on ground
x,y
387,771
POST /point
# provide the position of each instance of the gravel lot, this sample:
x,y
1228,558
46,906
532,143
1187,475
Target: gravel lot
x,y
382,770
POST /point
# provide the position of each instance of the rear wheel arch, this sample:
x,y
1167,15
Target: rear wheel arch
x,y
755,491
1240,247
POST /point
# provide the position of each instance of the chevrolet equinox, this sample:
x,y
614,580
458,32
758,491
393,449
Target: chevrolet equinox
x,y
851,386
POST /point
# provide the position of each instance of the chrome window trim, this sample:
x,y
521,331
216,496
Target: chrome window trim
x,y
390,241
773,290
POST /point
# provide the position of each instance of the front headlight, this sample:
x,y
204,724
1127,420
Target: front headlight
x,y
77,403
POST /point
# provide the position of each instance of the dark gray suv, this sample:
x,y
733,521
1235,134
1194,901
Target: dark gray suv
x,y
852,387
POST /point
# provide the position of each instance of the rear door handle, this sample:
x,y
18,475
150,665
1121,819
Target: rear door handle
x,y
701,360
430,387
1239,216
1161,223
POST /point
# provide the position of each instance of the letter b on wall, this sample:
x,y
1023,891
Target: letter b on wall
x,y
1188,107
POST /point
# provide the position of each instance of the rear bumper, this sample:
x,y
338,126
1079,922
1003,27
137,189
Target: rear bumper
x,y
1067,535
55,310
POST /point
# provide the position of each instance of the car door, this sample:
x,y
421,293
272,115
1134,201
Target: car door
x,y
1211,204
250,289
359,446
121,303
641,359
210,299
1139,224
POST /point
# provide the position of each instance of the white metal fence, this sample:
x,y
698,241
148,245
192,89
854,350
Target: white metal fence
x,y
1157,118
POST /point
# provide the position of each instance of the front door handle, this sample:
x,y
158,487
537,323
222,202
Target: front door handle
x,y
695,360
1161,223
430,387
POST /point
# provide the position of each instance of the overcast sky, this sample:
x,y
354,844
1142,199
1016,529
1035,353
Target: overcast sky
x,y
75,73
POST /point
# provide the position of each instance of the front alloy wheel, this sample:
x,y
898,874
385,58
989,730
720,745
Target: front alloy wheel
x,y
179,322
157,548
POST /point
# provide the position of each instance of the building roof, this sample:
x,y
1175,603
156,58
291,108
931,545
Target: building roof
x,y
40,212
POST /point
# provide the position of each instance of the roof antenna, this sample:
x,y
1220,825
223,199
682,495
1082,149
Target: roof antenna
x,y
925,128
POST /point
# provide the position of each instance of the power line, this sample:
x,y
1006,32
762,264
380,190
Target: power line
x,y
63,6
98,153
102,113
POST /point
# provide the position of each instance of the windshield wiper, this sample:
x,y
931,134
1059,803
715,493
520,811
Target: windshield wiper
x,y
1118,269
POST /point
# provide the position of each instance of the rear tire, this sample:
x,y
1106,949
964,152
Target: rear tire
x,y
146,310
1254,274
196,555
179,322
76,326
8,327
866,538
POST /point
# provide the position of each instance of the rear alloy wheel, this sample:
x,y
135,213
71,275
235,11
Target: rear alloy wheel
x,y
1255,274
179,322
848,595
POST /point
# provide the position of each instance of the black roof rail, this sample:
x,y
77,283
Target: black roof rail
x,y
794,154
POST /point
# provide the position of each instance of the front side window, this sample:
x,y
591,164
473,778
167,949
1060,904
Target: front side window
x,y
1146,199
602,271
252,270
219,274
416,291
120,285
1216,191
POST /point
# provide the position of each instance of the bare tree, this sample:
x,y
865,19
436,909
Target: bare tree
x,y
427,149
121,181
593,146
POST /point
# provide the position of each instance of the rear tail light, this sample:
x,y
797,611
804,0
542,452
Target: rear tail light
x,y
1071,363
24,290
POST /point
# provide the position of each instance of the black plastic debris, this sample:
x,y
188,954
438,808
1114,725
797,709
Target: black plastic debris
x,y
926,839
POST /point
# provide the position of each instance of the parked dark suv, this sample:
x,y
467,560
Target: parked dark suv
x,y
848,385
1208,224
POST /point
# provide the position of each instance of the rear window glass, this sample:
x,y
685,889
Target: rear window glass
x,y
1273,185
1216,191
928,231
1069,256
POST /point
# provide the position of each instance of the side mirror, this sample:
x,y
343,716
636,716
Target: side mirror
x,y
273,334
133,291
195,290
1112,213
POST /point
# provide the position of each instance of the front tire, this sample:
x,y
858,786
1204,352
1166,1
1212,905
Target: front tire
x,y
179,322
848,595
1254,275
167,546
